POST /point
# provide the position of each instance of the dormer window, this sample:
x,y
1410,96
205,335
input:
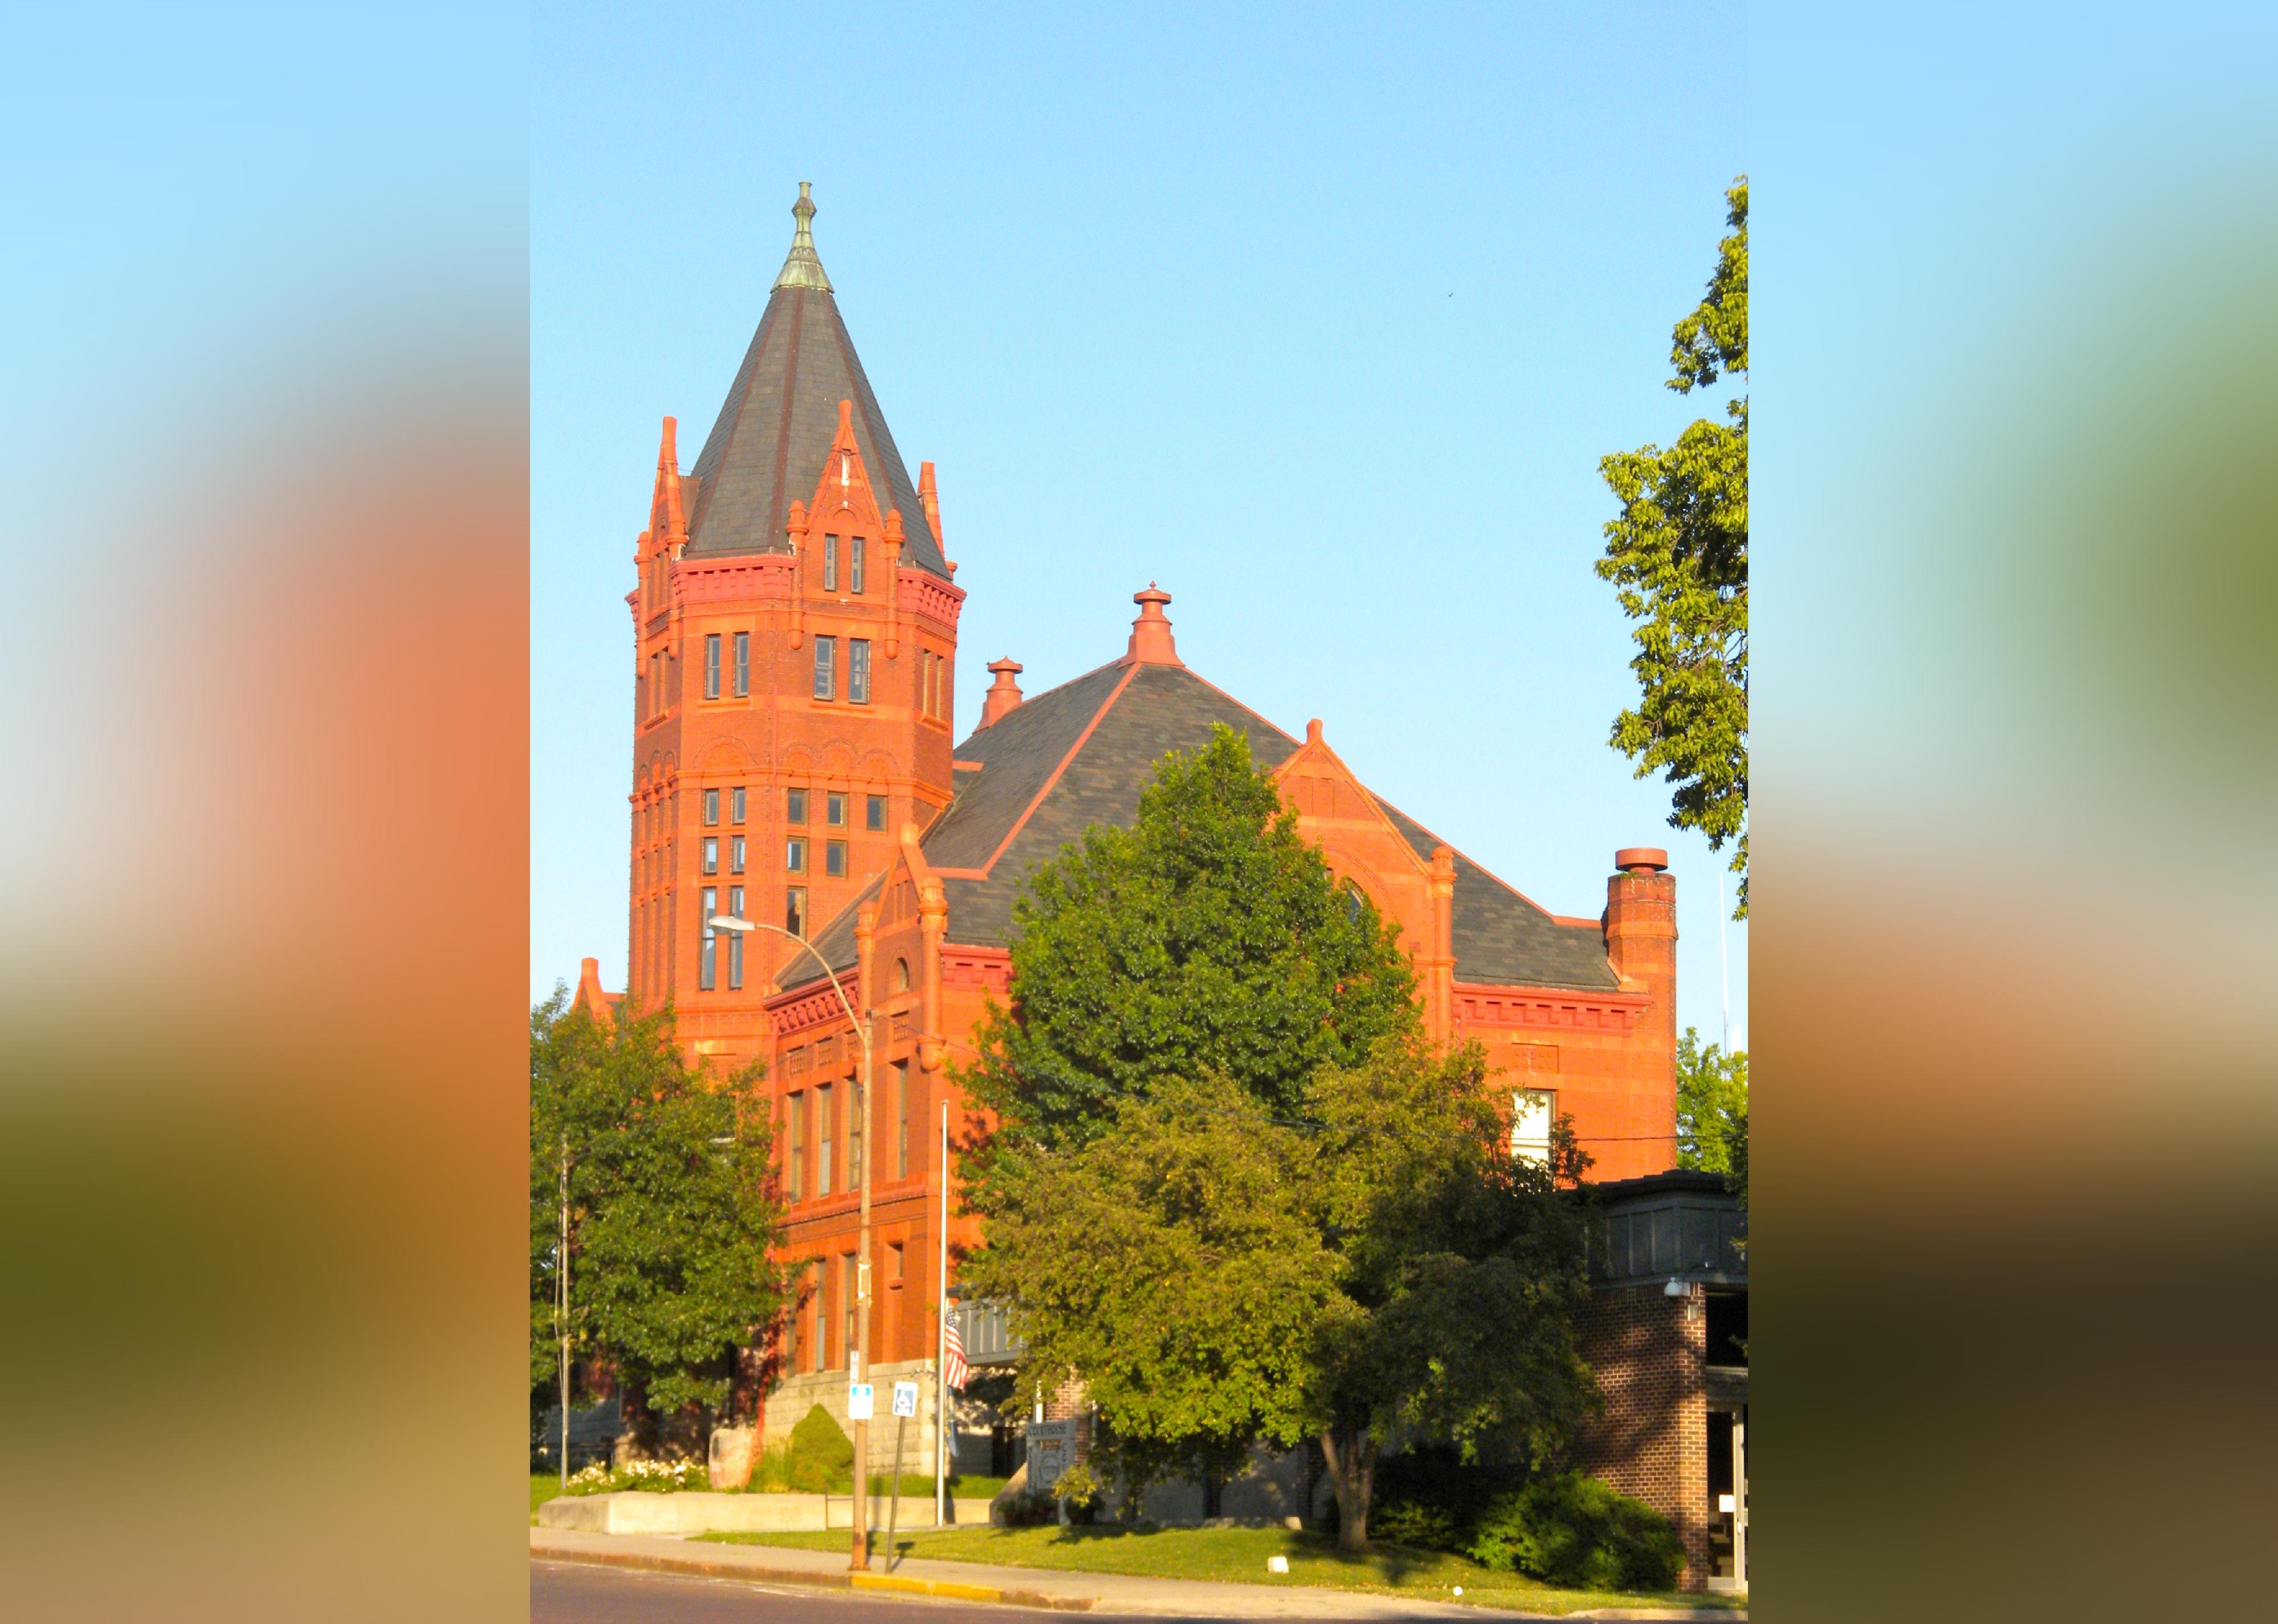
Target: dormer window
x,y
855,563
830,563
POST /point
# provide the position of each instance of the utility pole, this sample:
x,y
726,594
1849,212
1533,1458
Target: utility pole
x,y
942,1433
860,1558
561,1308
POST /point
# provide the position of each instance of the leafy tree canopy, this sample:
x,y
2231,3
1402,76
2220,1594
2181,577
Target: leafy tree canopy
x,y
672,1205
1678,554
1219,1274
1712,1106
1207,938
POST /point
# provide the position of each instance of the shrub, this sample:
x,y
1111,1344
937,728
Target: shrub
x,y
1428,1497
1030,1509
1575,1530
1080,1490
821,1455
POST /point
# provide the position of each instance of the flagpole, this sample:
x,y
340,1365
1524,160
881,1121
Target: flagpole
x,y
941,1346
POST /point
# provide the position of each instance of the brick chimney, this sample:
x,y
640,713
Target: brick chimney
x,y
1004,695
1640,927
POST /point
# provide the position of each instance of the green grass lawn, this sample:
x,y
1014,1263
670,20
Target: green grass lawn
x,y
1237,1555
544,1486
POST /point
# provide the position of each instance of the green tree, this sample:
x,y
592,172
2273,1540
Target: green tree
x,y
1712,1106
1208,937
672,1203
1219,1274
1678,554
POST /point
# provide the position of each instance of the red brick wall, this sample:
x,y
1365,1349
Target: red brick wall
x,y
1651,1354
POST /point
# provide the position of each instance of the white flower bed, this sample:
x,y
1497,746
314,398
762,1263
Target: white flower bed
x,y
646,1476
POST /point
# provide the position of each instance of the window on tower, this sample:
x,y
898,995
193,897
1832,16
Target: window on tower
x,y
858,671
826,668
712,665
874,812
834,809
736,937
711,808
735,804
795,855
855,563
795,909
743,667
711,854
707,942
829,564
834,859
795,806
736,857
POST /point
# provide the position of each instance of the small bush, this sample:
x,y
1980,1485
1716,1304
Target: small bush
x,y
1030,1509
821,1455
1575,1530
1427,1498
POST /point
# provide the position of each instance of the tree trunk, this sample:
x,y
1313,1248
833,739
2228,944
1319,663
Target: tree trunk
x,y
1352,1473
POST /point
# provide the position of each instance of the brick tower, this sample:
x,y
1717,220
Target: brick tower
x,y
795,645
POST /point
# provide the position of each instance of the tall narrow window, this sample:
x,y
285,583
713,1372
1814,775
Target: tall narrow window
x,y
826,668
711,808
901,1119
712,665
834,809
834,859
795,911
743,667
874,812
857,1168
795,855
858,671
707,942
711,854
854,562
830,563
824,1141
735,804
795,1147
795,806
736,937
736,857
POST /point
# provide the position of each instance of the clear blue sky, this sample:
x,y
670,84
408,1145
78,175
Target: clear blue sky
x,y
1320,317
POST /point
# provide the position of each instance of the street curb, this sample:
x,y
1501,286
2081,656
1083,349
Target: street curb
x,y
715,1567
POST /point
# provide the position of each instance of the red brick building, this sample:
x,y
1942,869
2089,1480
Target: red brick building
x,y
796,763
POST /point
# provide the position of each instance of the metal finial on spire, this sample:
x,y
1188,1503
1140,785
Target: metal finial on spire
x,y
801,266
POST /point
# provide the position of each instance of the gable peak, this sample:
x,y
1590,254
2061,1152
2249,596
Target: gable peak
x,y
801,267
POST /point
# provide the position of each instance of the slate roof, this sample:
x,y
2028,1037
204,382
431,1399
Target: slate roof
x,y
1104,753
767,447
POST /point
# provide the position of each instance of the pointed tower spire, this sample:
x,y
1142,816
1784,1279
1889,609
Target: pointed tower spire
x,y
801,268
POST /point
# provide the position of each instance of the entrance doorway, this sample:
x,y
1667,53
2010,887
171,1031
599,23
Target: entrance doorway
x,y
1728,1498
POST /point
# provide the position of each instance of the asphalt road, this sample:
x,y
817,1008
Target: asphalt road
x,y
582,1593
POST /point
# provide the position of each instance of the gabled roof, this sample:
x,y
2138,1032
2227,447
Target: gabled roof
x,y
768,447
1080,754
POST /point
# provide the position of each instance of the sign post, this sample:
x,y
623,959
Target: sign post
x,y
905,1405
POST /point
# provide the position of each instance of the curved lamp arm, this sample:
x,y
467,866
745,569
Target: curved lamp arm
x,y
728,921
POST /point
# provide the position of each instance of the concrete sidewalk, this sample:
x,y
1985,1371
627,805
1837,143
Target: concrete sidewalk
x,y
1031,1587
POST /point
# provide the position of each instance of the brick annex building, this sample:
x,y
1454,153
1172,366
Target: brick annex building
x,y
796,762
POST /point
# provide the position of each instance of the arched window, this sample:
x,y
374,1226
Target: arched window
x,y
901,975
1356,901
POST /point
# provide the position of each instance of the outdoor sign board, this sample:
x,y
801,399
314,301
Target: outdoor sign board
x,y
906,1399
1051,1451
858,1402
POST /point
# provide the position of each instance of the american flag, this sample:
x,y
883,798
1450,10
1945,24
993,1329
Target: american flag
x,y
953,1365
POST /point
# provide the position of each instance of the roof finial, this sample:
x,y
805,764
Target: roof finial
x,y
801,268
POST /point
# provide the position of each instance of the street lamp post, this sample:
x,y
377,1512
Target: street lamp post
x,y
860,1366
